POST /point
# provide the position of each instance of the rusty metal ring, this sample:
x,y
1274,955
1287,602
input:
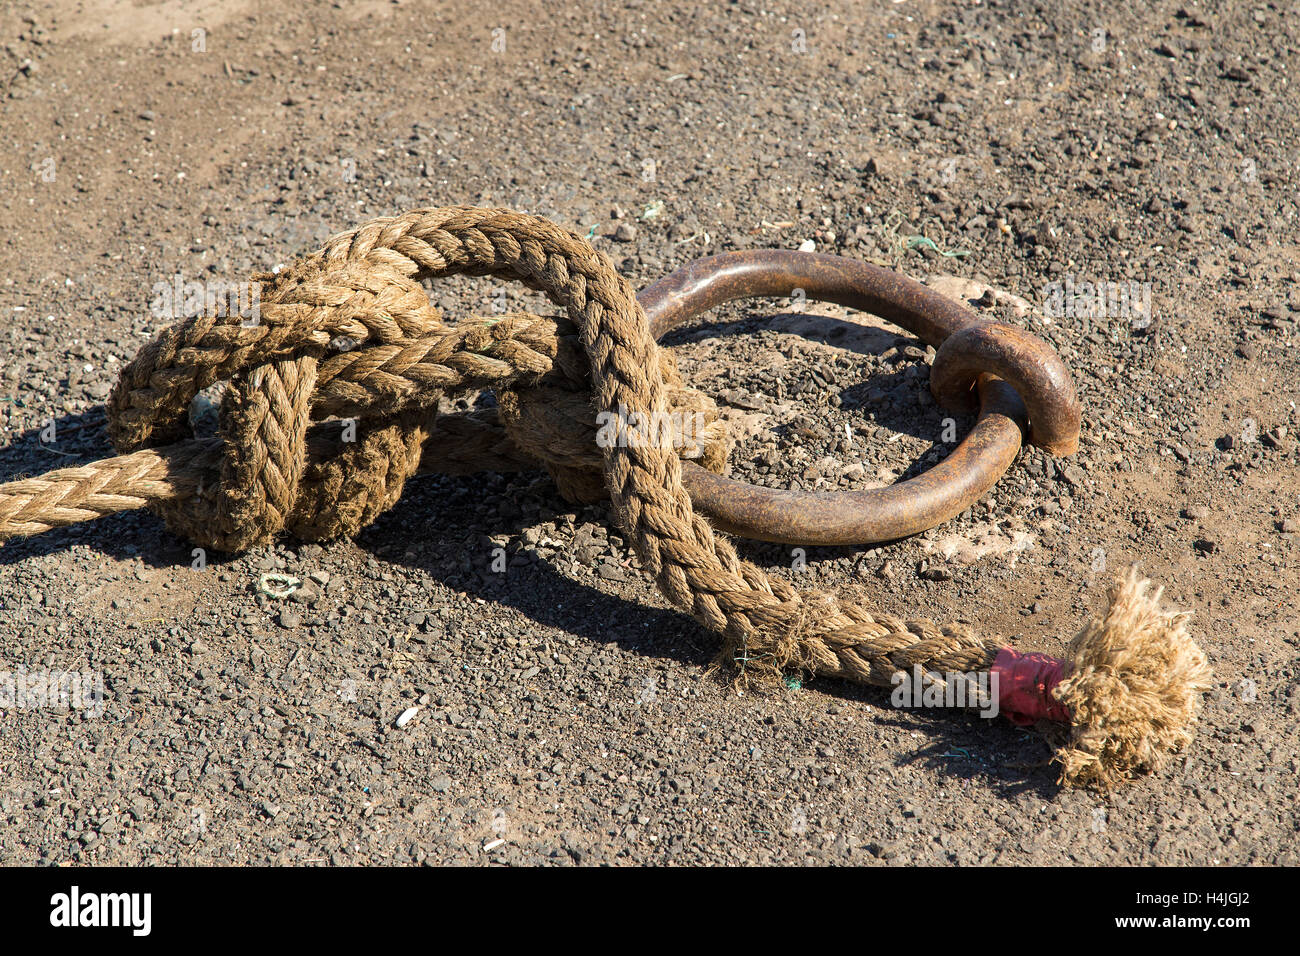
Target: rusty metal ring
x,y
1023,360
907,507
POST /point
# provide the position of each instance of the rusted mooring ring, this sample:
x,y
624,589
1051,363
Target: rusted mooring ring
x,y
1023,389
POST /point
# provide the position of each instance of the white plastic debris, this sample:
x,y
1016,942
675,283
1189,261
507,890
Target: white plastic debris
x,y
407,716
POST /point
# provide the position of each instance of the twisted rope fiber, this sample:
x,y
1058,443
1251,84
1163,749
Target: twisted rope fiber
x,y
349,331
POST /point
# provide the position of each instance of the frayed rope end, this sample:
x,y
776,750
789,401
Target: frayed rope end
x,y
1133,689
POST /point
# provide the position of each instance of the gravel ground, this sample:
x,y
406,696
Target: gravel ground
x,y
564,714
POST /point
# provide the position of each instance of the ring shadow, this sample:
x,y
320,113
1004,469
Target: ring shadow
x,y
923,422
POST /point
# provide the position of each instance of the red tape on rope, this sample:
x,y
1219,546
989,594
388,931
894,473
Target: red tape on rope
x,y
1025,685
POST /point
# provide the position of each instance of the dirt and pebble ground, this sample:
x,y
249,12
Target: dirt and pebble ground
x,y
564,712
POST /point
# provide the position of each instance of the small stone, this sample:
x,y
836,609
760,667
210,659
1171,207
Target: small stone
x,y
937,574
807,246
1074,475
1290,526
611,572
626,232
308,593
1206,545
440,784
290,619
742,399
882,851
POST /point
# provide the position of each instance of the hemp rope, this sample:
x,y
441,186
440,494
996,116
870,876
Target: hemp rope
x,y
1134,685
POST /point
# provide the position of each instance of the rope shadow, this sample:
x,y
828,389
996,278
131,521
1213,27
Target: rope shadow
x,y
77,436
550,597
538,589
963,745
547,595
128,534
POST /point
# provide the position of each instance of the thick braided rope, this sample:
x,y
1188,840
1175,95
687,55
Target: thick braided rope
x,y
696,570
456,445
388,353
559,433
362,289
349,331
